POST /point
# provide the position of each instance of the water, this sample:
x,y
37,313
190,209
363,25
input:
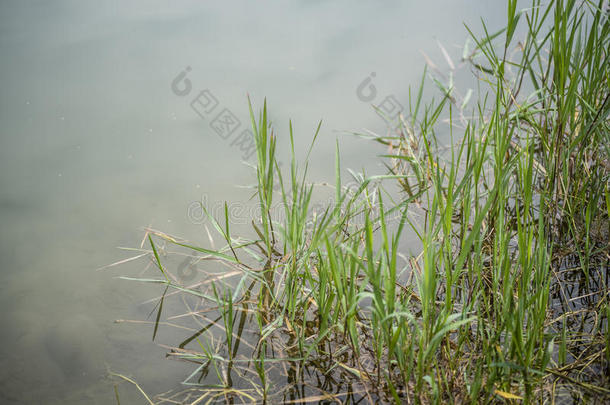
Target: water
x,y
95,144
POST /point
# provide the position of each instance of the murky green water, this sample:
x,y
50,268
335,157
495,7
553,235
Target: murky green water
x,y
97,141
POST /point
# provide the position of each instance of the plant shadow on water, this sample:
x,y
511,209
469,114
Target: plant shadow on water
x,y
508,299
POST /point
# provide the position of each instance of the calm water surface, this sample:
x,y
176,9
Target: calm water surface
x,y
96,143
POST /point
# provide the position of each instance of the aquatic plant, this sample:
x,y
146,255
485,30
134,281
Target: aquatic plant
x,y
508,298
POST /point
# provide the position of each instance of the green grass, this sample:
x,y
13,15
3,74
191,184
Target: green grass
x,y
508,299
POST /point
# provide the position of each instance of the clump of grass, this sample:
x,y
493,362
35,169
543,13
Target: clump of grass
x,y
508,299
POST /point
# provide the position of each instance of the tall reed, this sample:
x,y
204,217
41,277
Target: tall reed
x,y
516,210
